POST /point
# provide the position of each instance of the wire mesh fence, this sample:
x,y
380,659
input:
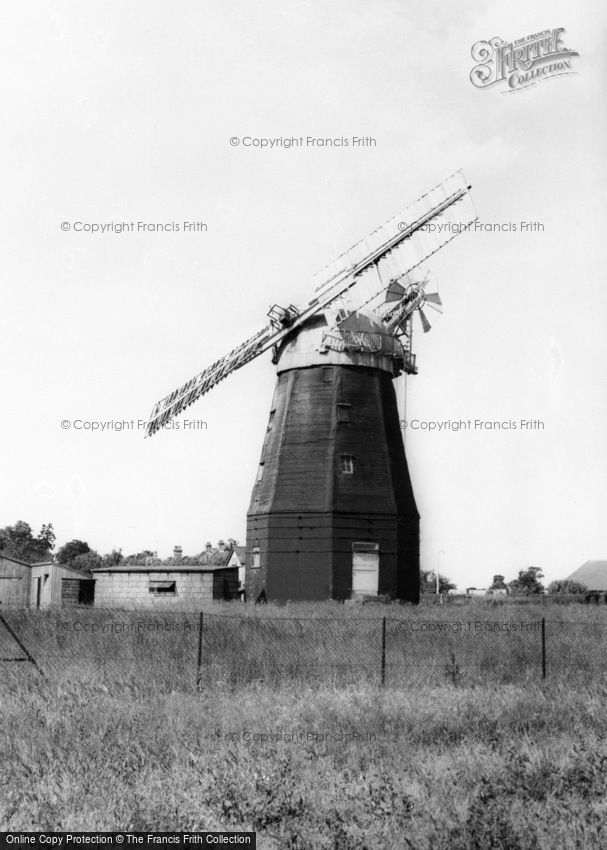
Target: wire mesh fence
x,y
186,651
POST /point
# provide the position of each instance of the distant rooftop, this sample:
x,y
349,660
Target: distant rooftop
x,y
211,556
593,574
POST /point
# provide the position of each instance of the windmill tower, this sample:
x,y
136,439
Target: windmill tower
x,y
332,512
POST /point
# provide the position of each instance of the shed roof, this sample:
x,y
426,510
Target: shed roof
x,y
593,574
64,567
14,560
163,568
49,563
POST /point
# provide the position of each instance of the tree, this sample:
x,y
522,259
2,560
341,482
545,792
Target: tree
x,y
428,582
498,583
46,537
113,558
566,586
145,557
528,582
18,541
71,550
87,561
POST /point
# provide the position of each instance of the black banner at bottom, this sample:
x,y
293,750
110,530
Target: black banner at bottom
x,y
47,840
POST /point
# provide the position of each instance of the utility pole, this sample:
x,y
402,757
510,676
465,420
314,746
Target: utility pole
x,y
438,554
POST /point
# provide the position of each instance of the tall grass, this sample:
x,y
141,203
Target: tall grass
x,y
291,736
310,768
316,643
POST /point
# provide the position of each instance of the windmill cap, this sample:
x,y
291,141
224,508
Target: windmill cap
x,y
359,340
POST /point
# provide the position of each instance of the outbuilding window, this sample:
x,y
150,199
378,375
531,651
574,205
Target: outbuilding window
x,y
162,588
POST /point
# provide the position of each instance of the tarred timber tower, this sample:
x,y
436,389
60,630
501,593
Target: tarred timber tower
x,y
332,513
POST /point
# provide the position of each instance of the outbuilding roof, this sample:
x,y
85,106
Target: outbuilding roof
x,y
163,568
14,560
68,567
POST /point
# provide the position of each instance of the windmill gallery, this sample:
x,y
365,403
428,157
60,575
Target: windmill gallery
x,y
332,513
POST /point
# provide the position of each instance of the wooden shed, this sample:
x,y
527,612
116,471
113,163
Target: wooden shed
x,y
15,579
47,580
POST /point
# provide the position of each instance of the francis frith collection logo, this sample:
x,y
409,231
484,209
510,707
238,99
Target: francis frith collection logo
x,y
522,63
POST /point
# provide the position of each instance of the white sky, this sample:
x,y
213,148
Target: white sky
x,y
123,111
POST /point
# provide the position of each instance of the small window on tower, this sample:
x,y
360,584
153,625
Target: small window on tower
x,y
271,420
256,558
343,412
260,472
347,464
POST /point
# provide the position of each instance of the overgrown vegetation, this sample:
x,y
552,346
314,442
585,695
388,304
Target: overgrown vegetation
x,y
116,735
452,768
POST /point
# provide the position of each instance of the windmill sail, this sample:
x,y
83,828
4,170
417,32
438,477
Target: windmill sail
x,y
363,272
173,404
451,213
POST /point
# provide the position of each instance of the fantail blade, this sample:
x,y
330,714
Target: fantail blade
x,y
425,323
394,292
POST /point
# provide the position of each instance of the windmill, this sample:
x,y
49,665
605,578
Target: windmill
x,y
332,512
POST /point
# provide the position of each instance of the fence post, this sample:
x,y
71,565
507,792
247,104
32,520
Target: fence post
x,y
199,662
543,647
22,646
383,651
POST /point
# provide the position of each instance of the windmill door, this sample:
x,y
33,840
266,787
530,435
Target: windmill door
x,y
365,569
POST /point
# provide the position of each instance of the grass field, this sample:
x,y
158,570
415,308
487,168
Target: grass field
x,y
457,763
